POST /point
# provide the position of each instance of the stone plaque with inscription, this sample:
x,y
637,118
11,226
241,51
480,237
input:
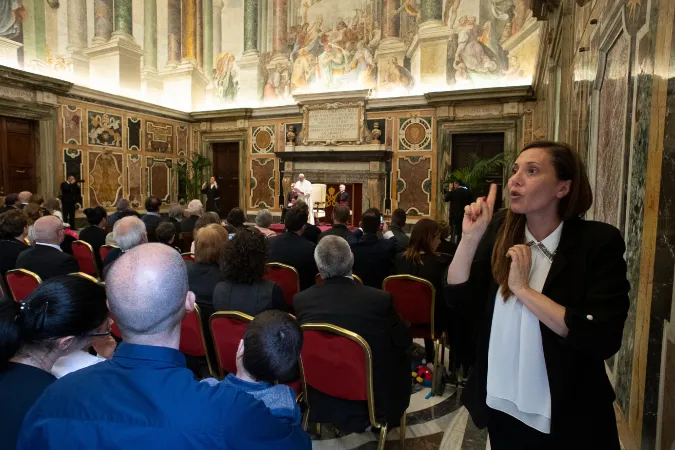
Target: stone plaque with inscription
x,y
333,123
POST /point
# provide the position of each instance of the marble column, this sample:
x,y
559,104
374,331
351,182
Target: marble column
x,y
279,30
77,40
431,10
217,28
150,34
391,21
208,37
199,38
251,26
103,21
432,45
262,34
391,46
174,33
123,17
189,28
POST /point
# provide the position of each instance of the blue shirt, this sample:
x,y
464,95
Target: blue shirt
x,y
145,397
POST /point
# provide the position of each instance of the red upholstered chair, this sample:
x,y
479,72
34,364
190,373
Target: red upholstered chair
x,y
414,299
188,256
114,329
22,283
286,277
227,329
103,251
84,253
192,340
339,363
319,279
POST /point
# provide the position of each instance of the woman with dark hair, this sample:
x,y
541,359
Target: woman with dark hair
x,y
236,219
95,233
61,316
445,246
53,207
552,293
13,231
243,265
421,260
39,200
32,213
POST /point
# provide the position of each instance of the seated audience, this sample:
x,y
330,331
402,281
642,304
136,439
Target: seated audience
x,y
11,202
176,216
341,214
369,313
290,248
152,219
94,234
123,210
166,234
374,256
267,357
24,198
397,225
145,397
263,220
421,260
204,273
235,219
53,207
128,233
40,201
445,246
243,266
13,231
205,219
195,209
46,258
58,318
311,232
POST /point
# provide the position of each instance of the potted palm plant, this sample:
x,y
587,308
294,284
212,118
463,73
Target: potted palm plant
x,y
473,176
192,174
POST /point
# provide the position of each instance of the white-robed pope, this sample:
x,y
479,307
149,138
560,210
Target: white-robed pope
x,y
304,190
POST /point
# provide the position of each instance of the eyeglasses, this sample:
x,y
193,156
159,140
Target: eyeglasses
x,y
101,334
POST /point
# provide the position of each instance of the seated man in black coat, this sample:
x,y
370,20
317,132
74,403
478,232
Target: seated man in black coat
x,y
13,230
128,232
310,232
341,215
11,202
369,313
46,259
123,210
374,257
152,218
292,249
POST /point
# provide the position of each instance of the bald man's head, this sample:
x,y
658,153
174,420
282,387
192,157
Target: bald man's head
x,y
48,230
24,197
147,290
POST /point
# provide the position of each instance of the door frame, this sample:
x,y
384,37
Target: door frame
x,y
216,137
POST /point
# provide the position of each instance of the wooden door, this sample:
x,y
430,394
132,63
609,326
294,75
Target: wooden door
x,y
226,171
485,145
17,156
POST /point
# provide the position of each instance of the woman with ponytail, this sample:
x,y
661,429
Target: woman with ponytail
x,y
552,295
62,316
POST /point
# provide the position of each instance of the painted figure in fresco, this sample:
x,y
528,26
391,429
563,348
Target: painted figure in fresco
x,y
226,79
332,64
12,15
503,11
362,69
522,12
277,86
302,69
397,75
472,57
450,12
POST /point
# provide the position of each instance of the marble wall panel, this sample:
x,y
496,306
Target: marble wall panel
x,y
159,176
158,137
105,178
262,183
262,139
415,134
134,133
134,180
72,163
182,140
413,184
71,123
104,129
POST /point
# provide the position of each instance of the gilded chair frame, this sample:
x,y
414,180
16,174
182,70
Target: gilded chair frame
x,y
109,247
339,331
25,272
88,277
93,256
190,254
228,315
209,360
285,266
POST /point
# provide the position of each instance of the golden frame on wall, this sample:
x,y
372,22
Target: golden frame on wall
x,y
338,114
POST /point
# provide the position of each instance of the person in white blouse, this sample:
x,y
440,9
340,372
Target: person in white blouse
x,y
304,190
555,298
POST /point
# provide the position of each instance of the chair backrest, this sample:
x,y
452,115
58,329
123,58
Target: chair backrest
x,y
192,341
318,195
414,298
103,251
84,254
286,277
186,241
338,363
188,256
227,329
22,283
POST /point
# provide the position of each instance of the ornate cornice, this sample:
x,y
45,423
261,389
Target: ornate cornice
x,y
16,77
486,95
231,114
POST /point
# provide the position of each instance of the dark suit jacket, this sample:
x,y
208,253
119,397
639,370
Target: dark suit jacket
x,y
588,278
374,258
458,199
311,233
4,209
176,226
70,194
110,258
188,225
151,220
400,235
339,230
9,252
369,313
47,262
293,250
343,198
212,198
117,215
95,237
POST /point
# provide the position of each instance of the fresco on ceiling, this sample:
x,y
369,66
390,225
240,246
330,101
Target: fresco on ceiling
x,y
262,52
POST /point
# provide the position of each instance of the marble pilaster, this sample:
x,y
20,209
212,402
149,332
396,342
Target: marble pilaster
x,y
391,22
189,29
279,31
123,17
249,73
187,79
150,34
432,48
217,28
199,32
103,21
77,39
250,26
116,65
208,37
174,33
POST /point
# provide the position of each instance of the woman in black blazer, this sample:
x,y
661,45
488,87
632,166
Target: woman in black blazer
x,y
95,233
552,294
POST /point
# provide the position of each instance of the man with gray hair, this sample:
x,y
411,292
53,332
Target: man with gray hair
x,y
370,313
24,198
263,220
151,399
195,208
46,259
128,232
123,210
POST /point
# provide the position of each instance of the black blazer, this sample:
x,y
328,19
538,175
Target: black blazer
x,y
343,198
293,250
311,233
588,278
369,313
151,220
188,225
339,230
95,237
176,227
459,198
47,262
110,258
9,252
374,258
212,198
70,194
202,280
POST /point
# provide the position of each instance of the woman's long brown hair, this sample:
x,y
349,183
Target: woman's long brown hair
x,y
568,166
422,235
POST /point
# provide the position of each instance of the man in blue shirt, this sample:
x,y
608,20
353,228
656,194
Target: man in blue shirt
x,y
145,397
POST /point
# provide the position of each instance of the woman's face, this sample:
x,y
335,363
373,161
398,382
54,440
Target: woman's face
x,y
534,186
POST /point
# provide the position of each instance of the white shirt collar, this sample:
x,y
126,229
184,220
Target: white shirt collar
x,y
49,245
551,241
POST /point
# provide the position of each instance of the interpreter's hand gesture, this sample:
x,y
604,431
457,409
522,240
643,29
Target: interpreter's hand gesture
x,y
477,216
521,263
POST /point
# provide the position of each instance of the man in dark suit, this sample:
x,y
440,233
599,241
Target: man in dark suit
x,y
11,202
310,232
343,196
71,195
46,258
398,218
459,197
195,209
339,228
152,218
13,230
369,313
123,210
212,195
292,249
373,256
